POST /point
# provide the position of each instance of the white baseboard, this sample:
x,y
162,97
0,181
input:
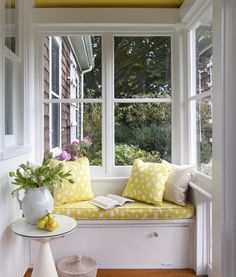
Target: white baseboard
x,y
143,266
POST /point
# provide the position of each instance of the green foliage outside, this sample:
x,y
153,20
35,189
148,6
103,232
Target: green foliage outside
x,y
142,70
152,138
93,128
126,154
204,37
142,66
204,141
206,151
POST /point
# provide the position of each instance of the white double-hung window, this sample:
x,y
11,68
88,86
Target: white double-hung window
x,y
201,116
12,61
13,127
201,94
116,89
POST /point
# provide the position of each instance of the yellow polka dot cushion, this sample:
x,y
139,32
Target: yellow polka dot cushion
x,y
134,211
147,182
80,189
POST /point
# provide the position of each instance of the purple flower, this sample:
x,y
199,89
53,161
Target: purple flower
x,y
64,156
76,142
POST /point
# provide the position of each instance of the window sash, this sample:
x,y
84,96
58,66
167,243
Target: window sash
x,y
193,99
108,101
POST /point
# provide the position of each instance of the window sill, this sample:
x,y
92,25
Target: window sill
x,y
201,190
202,182
14,151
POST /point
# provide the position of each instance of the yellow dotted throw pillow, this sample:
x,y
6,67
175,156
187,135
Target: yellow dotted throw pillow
x,y
80,189
147,182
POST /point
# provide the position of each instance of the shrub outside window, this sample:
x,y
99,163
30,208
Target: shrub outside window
x,y
142,81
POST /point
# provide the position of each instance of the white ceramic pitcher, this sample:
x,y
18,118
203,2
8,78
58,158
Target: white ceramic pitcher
x,y
36,204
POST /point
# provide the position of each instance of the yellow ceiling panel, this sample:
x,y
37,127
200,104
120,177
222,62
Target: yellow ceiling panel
x,y
109,3
10,3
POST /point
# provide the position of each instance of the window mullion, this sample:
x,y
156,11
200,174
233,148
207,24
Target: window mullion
x,y
201,96
72,100
192,119
60,90
143,100
108,61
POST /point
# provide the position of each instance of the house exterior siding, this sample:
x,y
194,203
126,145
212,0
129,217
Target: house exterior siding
x,y
46,95
65,86
65,92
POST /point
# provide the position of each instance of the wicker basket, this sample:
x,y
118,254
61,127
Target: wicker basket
x,y
77,266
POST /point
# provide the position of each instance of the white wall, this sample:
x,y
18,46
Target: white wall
x,y
14,250
224,160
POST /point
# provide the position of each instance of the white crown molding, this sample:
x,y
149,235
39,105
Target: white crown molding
x,y
105,16
193,9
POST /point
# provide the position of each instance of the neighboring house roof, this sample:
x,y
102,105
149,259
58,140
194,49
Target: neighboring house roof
x,y
82,48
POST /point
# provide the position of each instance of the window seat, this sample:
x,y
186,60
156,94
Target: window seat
x,y
137,211
136,235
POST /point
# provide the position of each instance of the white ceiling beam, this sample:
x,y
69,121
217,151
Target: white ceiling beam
x,y
105,15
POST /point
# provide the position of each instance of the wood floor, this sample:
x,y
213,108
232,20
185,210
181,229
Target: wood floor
x,y
138,273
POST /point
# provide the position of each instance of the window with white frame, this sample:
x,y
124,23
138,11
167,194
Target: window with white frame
x,y
118,91
76,94
201,94
13,86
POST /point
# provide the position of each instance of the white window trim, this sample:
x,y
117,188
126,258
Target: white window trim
x,y
107,170
52,93
11,139
20,140
201,179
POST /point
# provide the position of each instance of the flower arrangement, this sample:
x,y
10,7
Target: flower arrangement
x,y
76,149
30,177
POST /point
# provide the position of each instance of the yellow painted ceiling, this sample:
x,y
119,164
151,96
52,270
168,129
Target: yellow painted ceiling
x,y
10,3
109,3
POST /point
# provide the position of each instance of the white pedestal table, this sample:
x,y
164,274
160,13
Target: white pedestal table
x,y
44,266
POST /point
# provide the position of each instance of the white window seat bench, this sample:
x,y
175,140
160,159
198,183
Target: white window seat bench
x,y
163,242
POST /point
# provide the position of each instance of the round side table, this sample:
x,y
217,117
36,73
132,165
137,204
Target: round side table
x,y
44,266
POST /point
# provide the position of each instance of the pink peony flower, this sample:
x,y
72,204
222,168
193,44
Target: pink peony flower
x,y
76,149
76,142
64,156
